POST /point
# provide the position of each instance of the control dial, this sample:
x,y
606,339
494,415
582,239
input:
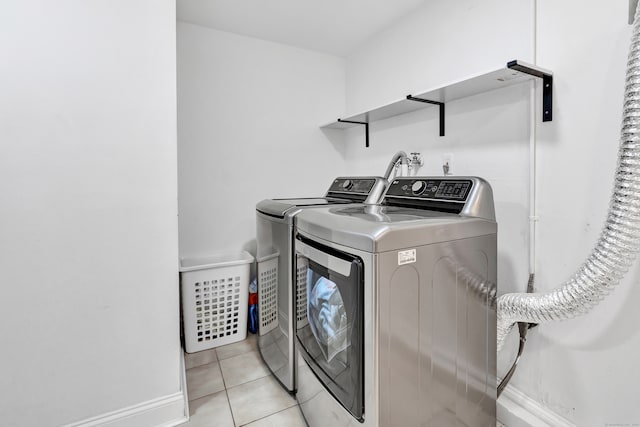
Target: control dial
x,y
347,184
418,187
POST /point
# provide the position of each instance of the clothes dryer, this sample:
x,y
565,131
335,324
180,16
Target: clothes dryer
x,y
401,316
280,302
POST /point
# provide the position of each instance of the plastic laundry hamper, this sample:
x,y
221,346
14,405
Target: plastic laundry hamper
x,y
267,292
214,299
301,292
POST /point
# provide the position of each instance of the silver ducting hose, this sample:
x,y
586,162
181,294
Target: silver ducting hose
x,y
400,155
619,241
478,286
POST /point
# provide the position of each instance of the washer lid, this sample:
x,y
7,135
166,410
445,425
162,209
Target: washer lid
x,y
376,228
279,207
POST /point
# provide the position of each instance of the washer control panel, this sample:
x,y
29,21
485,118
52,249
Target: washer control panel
x,y
430,188
352,185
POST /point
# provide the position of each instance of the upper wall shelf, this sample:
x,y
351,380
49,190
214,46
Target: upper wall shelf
x,y
514,72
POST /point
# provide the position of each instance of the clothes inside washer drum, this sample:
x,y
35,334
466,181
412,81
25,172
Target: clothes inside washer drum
x,y
327,317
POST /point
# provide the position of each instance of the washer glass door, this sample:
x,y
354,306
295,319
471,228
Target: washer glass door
x,y
331,340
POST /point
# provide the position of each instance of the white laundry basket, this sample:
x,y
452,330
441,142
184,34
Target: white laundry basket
x,y
214,299
267,292
301,291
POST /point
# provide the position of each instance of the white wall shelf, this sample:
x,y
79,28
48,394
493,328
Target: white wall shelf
x,y
515,72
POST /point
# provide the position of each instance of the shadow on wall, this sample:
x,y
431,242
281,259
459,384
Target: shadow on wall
x,y
337,139
507,274
483,113
486,113
623,325
251,247
428,117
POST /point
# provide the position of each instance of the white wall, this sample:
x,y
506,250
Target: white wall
x,y
488,134
88,230
584,369
440,42
248,116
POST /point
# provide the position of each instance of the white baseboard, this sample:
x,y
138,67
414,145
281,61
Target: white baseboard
x,y
166,411
516,409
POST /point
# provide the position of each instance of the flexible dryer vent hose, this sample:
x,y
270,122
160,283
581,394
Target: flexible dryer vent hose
x,y
619,240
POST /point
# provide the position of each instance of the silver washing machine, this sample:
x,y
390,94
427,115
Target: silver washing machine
x,y
401,316
279,306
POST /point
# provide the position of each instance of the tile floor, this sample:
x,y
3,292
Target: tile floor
x,y
231,387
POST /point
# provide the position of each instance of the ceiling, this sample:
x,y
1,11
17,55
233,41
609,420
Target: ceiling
x,y
331,26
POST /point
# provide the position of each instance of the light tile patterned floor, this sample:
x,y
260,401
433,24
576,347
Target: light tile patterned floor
x,y
231,387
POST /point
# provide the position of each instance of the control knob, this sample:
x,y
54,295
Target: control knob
x,y
418,187
347,184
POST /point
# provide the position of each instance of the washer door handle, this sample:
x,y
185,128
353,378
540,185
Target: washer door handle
x,y
331,262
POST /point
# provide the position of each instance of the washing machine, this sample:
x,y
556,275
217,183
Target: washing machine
x,y
280,303
401,314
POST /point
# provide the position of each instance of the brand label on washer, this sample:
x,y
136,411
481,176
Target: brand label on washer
x,y
406,257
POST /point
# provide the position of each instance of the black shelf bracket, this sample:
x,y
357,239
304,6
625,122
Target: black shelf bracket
x,y
440,104
547,86
366,129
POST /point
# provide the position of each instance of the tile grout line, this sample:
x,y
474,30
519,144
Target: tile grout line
x,y
230,409
251,348
226,389
267,373
204,364
251,381
226,392
267,416
254,380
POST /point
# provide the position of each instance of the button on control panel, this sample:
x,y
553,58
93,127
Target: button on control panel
x,y
418,187
431,188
